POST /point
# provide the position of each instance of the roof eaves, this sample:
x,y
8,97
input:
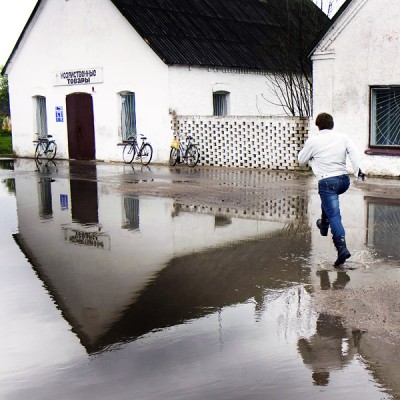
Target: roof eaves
x,y
21,36
328,26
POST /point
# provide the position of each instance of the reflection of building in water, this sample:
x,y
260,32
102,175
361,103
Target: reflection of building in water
x,y
10,184
130,219
222,220
383,226
266,204
84,201
7,164
198,284
287,209
178,268
45,198
86,236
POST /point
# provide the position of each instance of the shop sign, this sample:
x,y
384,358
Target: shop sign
x,y
80,76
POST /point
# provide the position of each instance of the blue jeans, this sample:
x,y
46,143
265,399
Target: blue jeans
x,y
329,190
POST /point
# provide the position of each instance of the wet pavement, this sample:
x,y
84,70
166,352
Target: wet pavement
x,y
130,282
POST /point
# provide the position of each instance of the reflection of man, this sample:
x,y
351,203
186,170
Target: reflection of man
x,y
332,347
342,279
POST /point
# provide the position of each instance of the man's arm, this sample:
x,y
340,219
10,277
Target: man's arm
x,y
305,154
355,158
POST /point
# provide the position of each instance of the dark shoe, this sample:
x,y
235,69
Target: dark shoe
x,y
323,228
343,252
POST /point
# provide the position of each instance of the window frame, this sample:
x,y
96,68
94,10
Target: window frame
x,y
124,131
226,105
41,120
376,149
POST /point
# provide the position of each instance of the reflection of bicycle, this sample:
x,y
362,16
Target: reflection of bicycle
x,y
131,148
184,150
46,167
45,146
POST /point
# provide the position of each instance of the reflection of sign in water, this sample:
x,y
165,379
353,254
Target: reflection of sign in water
x,y
64,201
95,239
59,114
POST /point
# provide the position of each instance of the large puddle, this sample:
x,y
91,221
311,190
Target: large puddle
x,y
110,296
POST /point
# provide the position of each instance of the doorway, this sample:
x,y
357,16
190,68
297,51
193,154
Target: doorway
x,y
80,122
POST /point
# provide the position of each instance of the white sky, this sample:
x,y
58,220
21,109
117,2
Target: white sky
x,y
14,15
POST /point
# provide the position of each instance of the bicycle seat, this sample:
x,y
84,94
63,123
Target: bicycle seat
x,y
143,137
49,136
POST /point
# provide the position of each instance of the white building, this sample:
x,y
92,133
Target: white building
x,y
91,73
356,78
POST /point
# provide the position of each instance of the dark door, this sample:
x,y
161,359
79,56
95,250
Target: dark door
x,y
80,121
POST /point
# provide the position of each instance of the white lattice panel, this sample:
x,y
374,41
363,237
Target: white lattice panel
x,y
246,142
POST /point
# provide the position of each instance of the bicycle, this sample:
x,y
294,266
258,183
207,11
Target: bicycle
x,y
184,150
131,148
45,146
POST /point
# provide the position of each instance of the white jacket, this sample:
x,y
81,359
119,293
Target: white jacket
x,y
327,151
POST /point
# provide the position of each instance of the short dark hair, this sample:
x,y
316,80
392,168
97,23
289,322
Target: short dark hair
x,y
324,121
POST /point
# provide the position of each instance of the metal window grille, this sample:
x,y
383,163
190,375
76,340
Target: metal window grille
x,y
220,102
128,115
385,117
41,116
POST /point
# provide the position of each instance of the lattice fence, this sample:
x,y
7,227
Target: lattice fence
x,y
246,142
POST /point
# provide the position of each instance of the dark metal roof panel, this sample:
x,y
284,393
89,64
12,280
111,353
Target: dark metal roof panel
x,y
234,33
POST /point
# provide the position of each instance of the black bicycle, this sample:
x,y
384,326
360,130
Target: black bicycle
x,y
131,148
45,147
184,150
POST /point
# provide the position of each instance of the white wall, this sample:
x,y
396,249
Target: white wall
x,y
101,37
191,91
362,50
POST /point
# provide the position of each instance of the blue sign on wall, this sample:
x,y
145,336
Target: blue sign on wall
x,y
59,114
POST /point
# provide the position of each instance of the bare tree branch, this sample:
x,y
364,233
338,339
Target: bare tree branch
x,y
292,84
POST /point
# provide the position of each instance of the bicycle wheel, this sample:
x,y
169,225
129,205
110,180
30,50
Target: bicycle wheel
x,y
128,153
192,156
173,156
51,150
39,150
146,153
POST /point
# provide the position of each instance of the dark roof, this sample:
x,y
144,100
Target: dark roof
x,y
224,33
247,34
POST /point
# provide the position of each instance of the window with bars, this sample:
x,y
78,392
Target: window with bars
x,y
41,116
128,115
221,103
385,117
